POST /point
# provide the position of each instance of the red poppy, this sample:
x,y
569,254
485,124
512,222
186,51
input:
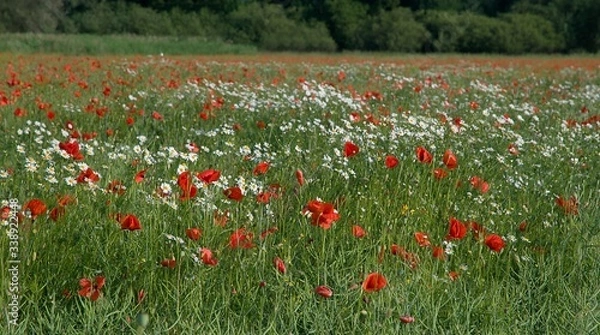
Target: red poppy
x,y
300,177
72,148
35,207
91,290
116,187
494,242
220,218
263,197
139,177
185,182
391,161
268,232
374,282
512,148
241,239
88,176
478,230
480,184
209,176
279,265
66,200
157,116
261,168
569,206
56,213
407,319
234,193
423,155
358,231
450,160
193,233
322,214
130,222
4,213
207,257
456,229
523,226
438,253
324,291
168,263
350,149
453,275
440,173
422,239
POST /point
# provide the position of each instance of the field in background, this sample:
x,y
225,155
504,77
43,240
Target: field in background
x,y
82,44
300,194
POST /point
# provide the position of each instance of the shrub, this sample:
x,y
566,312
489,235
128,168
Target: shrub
x,y
483,34
397,30
445,30
532,33
268,27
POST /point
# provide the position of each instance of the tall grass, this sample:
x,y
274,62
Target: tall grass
x,y
82,44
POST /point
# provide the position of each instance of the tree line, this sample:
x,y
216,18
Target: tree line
x,y
466,26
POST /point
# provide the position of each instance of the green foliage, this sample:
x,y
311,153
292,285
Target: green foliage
x,y
116,44
268,27
348,23
482,34
531,34
397,30
445,28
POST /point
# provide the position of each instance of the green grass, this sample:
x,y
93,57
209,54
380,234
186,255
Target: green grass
x,y
544,281
82,44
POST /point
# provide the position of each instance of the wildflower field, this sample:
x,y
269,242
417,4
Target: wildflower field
x,y
291,195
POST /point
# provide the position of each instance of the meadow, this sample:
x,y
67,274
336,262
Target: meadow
x,y
290,194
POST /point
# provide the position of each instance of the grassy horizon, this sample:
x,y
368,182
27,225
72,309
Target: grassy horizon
x,y
182,195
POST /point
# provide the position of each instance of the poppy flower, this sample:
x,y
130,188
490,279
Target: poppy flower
x,y
168,263
139,177
185,182
241,239
350,149
450,160
193,233
456,229
130,222
268,232
438,253
56,213
234,193
512,149
91,290
72,148
358,231
300,177
261,168
88,176
440,173
35,207
374,282
453,275
219,218
322,214
209,176
279,265
263,197
494,242
422,239
116,187
4,213
207,257
391,161
409,258
407,319
569,206
157,116
480,184
324,291
423,155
